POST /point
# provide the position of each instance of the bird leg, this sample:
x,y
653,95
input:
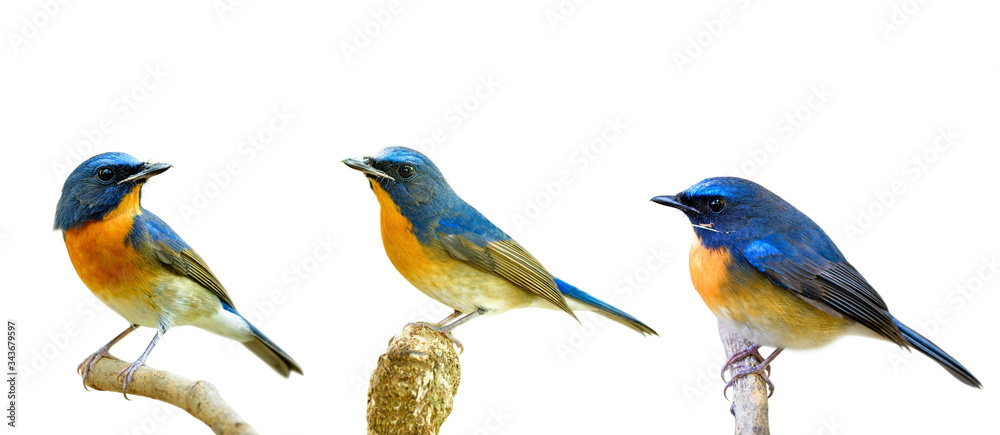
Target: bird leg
x,y
443,321
88,364
454,315
446,329
126,374
437,325
761,369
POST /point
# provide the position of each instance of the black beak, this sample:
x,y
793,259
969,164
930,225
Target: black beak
x,y
671,201
364,166
148,170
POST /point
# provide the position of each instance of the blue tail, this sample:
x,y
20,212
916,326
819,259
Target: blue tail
x,y
603,308
266,350
927,348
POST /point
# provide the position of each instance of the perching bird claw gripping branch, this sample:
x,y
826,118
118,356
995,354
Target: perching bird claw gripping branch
x,y
749,392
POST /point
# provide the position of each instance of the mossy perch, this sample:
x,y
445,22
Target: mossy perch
x,y
198,398
749,392
413,388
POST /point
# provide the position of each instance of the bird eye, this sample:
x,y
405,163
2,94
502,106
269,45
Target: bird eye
x,y
717,205
105,174
406,170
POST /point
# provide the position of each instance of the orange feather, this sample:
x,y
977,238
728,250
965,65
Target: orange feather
x,y
412,260
105,261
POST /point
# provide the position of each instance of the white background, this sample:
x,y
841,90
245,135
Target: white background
x,y
558,86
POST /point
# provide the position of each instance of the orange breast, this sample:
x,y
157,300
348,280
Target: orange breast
x,y
105,262
414,261
710,275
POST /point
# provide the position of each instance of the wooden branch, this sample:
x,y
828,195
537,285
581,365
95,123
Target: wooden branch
x,y
198,398
413,388
749,392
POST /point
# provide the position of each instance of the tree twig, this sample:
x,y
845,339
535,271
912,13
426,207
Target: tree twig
x,y
413,388
198,398
749,392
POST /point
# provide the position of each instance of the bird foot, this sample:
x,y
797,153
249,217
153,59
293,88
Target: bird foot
x,y
752,350
444,331
88,364
126,375
763,369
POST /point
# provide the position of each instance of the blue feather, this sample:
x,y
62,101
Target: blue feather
x,y
148,227
602,307
927,348
85,198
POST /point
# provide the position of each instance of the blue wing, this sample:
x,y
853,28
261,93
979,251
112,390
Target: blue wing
x,y
151,234
472,238
815,270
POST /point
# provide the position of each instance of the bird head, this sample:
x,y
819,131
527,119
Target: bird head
x,y
98,186
407,176
727,208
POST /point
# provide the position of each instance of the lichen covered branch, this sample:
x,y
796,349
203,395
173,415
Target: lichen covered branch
x,y
413,388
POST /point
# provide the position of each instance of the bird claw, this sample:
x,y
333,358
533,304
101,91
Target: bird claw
x,y
759,369
752,350
126,375
454,341
444,331
763,369
88,364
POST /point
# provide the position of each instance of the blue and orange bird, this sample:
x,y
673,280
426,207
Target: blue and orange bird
x,y
452,253
140,268
772,275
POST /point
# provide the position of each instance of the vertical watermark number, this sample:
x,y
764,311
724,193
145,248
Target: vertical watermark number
x,y
12,373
